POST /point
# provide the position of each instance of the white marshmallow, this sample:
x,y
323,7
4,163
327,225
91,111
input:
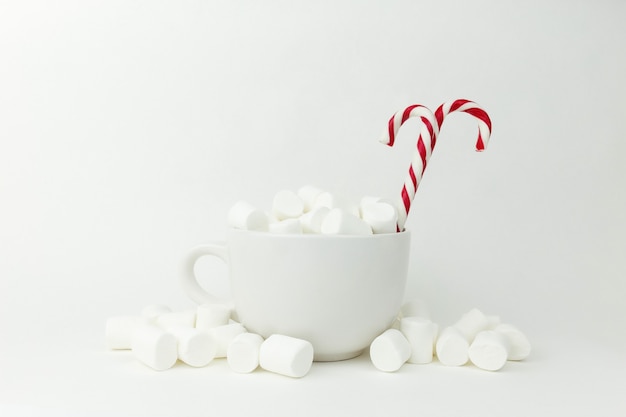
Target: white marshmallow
x,y
286,355
195,347
155,347
382,217
224,335
340,222
519,346
421,334
312,220
489,350
332,201
286,227
153,311
243,215
308,194
243,352
471,323
211,315
390,351
452,347
185,318
119,330
415,308
368,199
287,205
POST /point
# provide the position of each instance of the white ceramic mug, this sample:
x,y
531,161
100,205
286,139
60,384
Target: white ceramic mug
x,y
338,292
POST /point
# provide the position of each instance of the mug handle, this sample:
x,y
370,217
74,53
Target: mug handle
x,y
189,280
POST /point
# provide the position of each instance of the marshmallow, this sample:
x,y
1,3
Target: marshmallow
x,y
119,330
421,334
286,355
185,318
382,217
489,350
312,220
390,351
243,215
340,222
153,311
286,227
308,194
195,347
155,347
519,346
452,347
224,335
471,323
287,205
368,199
243,352
211,315
332,201
415,308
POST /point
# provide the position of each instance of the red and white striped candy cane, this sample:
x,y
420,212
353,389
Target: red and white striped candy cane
x,y
462,105
431,127
425,143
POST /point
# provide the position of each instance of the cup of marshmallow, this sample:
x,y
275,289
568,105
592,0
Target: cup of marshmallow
x,y
314,278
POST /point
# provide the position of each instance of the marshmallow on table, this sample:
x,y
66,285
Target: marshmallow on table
x,y
382,217
286,355
286,227
312,220
155,347
243,215
489,350
243,352
287,205
185,318
390,351
471,323
195,347
452,347
224,335
308,194
519,346
210,315
421,334
340,222
153,311
119,330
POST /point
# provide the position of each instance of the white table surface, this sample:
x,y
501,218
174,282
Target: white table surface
x,y
55,371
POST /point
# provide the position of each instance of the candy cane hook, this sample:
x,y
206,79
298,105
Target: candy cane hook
x,y
425,143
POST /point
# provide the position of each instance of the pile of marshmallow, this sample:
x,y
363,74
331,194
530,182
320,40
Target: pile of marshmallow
x,y
312,210
483,340
159,337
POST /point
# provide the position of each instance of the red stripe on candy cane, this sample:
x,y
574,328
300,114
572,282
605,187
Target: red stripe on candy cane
x,y
471,108
425,142
431,126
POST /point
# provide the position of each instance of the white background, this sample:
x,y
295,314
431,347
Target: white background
x,y
128,129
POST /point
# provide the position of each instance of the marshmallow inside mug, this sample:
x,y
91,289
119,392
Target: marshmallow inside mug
x,y
339,292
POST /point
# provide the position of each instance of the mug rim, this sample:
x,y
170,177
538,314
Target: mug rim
x,y
320,236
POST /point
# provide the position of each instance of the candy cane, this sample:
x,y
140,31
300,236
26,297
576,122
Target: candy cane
x,y
431,127
484,122
425,143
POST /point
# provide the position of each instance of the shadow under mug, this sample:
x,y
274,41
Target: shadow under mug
x,y
339,292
